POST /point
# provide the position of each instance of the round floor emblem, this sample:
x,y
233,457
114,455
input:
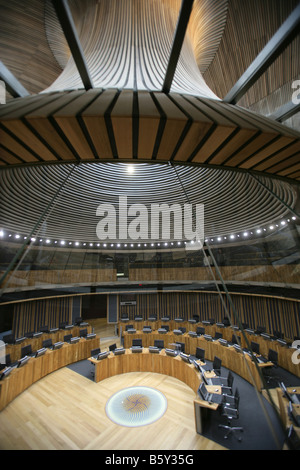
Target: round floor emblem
x,y
136,406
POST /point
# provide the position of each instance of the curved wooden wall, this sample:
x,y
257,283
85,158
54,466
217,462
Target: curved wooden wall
x,y
276,314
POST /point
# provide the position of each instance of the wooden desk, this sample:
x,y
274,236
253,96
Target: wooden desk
x,y
283,408
22,377
203,408
159,363
238,363
36,343
145,361
284,353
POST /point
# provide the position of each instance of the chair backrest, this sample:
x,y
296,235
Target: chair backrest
x,y
128,327
47,343
95,352
200,353
230,379
181,328
232,413
7,360
273,356
236,339
25,350
200,330
112,347
237,398
166,327
217,365
182,346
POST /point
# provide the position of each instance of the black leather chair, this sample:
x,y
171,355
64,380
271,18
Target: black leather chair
x,y
231,412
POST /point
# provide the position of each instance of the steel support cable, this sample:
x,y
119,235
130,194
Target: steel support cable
x,y
236,318
21,253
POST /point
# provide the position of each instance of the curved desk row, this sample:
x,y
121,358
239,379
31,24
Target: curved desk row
x,y
291,417
237,362
21,378
285,353
146,362
160,363
36,343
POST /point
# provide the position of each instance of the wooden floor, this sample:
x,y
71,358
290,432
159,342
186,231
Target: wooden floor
x,y
66,411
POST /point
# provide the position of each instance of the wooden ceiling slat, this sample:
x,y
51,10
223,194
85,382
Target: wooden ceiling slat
x,y
285,164
148,125
8,157
280,143
121,117
289,171
200,126
67,120
46,130
21,131
174,125
94,119
291,150
12,144
249,149
242,136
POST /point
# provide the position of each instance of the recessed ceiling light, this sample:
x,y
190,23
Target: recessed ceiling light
x,y
130,169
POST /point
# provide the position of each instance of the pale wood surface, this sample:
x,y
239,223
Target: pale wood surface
x,y
66,411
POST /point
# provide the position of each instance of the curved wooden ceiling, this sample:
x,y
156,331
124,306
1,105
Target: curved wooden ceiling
x,y
68,196
109,124
129,117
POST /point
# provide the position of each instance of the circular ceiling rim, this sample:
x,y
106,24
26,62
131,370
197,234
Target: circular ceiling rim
x,y
103,125
83,189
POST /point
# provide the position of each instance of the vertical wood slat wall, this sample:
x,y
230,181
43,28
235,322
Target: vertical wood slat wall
x,y
29,316
273,313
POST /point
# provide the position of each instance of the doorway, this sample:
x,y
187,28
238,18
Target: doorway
x,y
94,306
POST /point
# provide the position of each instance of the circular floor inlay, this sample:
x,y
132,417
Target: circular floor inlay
x,y
136,406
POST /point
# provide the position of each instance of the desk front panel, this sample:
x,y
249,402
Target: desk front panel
x,y
37,367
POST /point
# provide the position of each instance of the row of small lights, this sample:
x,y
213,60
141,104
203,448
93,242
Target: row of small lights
x,y
132,245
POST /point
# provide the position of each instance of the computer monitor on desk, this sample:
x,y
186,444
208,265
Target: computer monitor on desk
x,y
47,343
26,350
40,352
5,372
255,347
159,343
57,345
23,361
293,396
